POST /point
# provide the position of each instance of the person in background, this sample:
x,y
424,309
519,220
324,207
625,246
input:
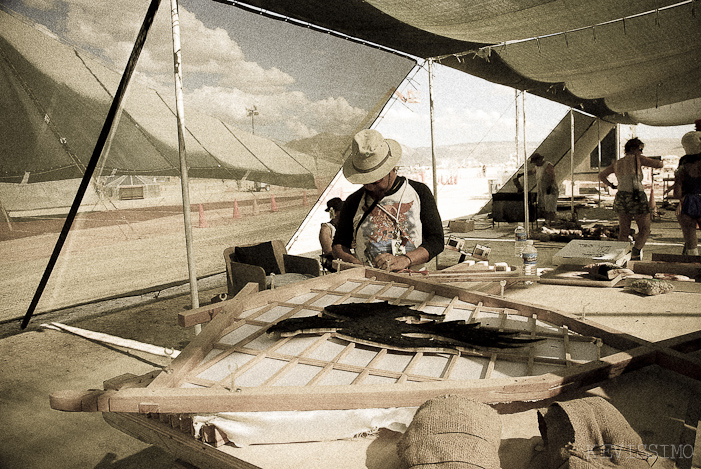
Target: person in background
x,y
687,188
391,222
631,201
327,232
546,187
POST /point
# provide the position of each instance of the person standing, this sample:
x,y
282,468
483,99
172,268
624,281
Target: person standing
x,y
546,187
631,201
687,188
327,232
391,223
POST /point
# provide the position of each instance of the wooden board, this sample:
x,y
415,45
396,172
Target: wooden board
x,y
655,267
573,275
583,252
679,258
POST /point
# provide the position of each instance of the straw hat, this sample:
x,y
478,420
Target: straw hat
x,y
372,157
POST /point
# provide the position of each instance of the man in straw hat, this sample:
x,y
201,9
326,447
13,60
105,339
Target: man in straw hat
x,y
393,223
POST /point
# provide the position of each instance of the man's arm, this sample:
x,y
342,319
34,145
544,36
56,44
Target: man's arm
x,y
342,252
433,240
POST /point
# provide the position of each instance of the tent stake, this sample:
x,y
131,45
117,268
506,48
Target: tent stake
x,y
184,181
92,164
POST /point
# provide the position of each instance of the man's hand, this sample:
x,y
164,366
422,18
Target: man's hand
x,y
389,262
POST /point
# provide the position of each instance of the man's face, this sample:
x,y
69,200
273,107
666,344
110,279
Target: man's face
x,y
378,188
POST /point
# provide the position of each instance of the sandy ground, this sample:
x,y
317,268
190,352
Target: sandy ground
x,y
37,362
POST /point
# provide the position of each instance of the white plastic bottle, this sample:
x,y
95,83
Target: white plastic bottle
x,y
520,237
530,261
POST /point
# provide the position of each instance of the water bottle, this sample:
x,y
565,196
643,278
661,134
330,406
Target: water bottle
x,y
520,235
530,261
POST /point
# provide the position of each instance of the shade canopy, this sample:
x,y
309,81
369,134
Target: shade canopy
x,y
54,101
628,62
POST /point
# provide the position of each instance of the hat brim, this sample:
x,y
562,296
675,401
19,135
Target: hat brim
x,y
356,177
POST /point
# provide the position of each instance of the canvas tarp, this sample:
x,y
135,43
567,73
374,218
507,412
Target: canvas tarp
x,y
54,103
628,62
555,148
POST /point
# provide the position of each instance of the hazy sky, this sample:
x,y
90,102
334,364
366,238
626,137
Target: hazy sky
x,y
301,82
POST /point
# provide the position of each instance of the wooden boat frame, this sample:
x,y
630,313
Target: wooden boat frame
x,y
181,388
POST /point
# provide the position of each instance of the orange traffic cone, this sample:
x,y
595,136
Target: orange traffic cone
x,y
237,214
305,201
203,220
273,204
255,206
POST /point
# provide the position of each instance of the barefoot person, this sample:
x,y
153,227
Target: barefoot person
x,y
631,201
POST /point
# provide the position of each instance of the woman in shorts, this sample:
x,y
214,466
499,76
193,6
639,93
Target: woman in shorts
x,y
631,201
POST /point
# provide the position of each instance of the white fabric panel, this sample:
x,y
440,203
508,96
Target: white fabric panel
x,y
250,428
495,21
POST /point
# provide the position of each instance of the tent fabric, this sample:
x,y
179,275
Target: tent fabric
x,y
588,132
56,98
627,62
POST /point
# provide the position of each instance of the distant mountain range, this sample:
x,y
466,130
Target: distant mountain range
x,y
332,147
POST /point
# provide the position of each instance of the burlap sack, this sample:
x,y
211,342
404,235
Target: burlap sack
x,y
590,433
452,432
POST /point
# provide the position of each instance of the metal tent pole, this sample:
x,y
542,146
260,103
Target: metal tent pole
x,y
526,190
518,158
97,151
572,163
184,181
433,141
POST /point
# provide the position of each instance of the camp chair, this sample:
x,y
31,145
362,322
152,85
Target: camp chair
x,y
266,264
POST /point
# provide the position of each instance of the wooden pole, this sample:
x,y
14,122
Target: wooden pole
x,y
92,164
184,180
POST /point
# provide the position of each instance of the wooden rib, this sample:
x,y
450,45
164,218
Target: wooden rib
x,y
425,302
450,306
448,370
412,364
380,292
566,340
373,363
296,360
261,354
330,366
475,312
531,349
398,301
493,359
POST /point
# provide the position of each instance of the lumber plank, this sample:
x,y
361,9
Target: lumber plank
x,y
679,258
655,267
179,444
206,313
